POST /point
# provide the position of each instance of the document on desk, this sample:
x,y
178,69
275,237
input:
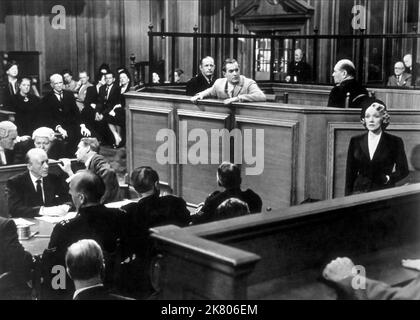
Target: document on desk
x,y
118,204
23,222
55,219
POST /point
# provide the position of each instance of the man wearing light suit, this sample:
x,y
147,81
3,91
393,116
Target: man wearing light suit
x,y
233,88
81,89
400,78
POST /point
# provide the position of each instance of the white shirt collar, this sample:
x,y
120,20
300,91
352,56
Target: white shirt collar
x,y
85,288
34,179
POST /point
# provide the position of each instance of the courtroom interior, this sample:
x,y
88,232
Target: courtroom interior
x,y
209,149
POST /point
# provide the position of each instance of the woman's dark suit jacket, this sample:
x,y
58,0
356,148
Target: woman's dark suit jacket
x,y
364,175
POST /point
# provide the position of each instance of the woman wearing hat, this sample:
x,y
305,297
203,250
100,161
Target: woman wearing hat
x,y
372,156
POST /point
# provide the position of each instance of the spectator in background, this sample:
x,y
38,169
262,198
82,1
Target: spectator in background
x,y
345,83
233,87
204,80
155,78
12,88
69,83
231,208
179,76
81,89
299,71
26,107
85,265
229,178
409,68
400,78
375,160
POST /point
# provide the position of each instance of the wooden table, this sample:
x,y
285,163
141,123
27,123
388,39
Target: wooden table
x,y
38,243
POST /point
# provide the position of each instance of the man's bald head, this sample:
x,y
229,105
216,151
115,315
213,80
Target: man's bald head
x,y
344,69
86,188
298,55
408,60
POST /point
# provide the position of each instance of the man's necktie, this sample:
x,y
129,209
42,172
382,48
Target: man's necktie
x,y
40,200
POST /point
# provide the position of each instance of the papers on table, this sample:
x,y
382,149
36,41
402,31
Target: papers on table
x,y
118,204
20,222
54,220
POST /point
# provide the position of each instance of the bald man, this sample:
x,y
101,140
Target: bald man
x,y
400,78
60,112
36,192
299,71
344,78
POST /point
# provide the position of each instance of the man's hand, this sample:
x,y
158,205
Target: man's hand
x,y
84,131
287,78
196,98
338,269
66,166
112,113
62,132
98,116
411,264
93,105
230,100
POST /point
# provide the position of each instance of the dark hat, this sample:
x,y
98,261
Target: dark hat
x,y
9,64
366,103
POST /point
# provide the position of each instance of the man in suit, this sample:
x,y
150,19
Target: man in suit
x,y
299,71
26,108
45,139
345,83
8,136
414,70
61,113
228,177
12,88
35,192
15,262
87,153
341,272
204,80
109,100
81,89
93,220
233,88
85,265
400,78
150,211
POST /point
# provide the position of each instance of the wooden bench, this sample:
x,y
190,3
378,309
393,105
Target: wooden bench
x,y
281,256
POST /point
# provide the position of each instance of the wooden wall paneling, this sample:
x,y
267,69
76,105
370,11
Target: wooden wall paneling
x,y
339,134
197,181
277,184
143,124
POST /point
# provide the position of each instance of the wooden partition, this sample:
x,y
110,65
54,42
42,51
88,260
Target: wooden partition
x,y
302,148
280,255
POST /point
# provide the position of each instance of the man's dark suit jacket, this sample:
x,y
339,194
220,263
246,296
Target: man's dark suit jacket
x,y
27,114
377,290
364,175
101,167
337,98
149,212
114,98
98,293
13,260
207,212
301,70
64,113
22,198
12,255
197,84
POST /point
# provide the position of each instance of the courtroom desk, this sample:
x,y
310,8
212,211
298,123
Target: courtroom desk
x,y
313,94
275,255
38,243
305,147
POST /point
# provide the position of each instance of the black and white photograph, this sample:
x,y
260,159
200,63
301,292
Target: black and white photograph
x,y
227,152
